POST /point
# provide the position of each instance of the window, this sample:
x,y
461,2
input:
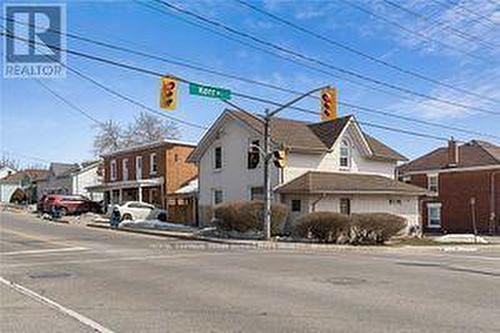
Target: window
x,y
153,164
125,169
434,215
217,199
253,155
218,158
257,193
344,154
433,183
296,206
176,157
345,206
112,170
138,167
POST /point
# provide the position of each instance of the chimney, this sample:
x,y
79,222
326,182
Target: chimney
x,y
452,153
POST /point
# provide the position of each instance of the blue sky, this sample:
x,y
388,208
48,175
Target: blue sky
x,y
34,124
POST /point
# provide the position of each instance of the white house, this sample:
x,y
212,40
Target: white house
x,y
6,171
331,166
88,175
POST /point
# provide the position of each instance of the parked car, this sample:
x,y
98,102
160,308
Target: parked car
x,y
136,210
69,204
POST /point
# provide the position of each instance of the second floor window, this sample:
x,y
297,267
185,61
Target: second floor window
x,y
125,169
433,183
253,155
138,167
112,170
153,164
345,154
218,158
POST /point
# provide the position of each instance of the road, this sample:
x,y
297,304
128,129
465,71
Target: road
x,y
70,278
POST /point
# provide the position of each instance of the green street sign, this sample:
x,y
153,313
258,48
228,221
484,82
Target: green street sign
x,y
207,91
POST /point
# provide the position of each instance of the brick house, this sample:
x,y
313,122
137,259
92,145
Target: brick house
x,y
465,182
149,173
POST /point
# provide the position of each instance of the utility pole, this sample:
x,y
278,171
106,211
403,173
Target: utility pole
x,y
267,178
268,155
473,211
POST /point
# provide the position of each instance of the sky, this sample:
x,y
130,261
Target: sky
x,y
458,44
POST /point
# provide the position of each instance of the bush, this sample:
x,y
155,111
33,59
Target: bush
x,y
374,228
244,216
323,226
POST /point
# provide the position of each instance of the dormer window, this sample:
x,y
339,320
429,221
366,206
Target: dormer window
x,y
345,154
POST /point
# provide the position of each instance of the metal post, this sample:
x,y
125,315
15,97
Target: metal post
x,y
267,178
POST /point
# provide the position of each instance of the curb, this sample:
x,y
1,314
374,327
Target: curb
x,y
292,246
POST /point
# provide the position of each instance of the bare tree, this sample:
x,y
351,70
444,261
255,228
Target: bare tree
x,y
149,128
7,161
109,137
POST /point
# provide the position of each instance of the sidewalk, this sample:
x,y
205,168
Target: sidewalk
x,y
297,246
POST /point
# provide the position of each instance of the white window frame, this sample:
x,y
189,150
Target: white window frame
x,y
431,206
345,144
436,177
138,175
215,190
250,143
153,158
125,173
215,158
112,170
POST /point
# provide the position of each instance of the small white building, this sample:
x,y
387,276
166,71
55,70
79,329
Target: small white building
x,y
90,174
331,166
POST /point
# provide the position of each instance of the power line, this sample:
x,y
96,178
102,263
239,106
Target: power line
x,y
157,74
359,52
25,156
205,69
473,13
415,32
481,19
68,103
457,32
319,62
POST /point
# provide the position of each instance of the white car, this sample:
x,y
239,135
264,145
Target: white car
x,y
135,210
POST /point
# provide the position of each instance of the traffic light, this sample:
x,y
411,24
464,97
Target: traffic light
x,y
168,93
328,104
280,158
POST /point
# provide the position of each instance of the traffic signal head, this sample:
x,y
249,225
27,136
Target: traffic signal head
x,y
328,104
168,93
280,158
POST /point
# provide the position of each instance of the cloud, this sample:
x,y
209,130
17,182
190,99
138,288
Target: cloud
x,y
483,84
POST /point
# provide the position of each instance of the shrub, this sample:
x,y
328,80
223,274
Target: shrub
x,y
244,216
323,226
374,228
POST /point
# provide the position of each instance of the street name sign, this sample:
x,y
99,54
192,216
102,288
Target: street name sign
x,y
207,91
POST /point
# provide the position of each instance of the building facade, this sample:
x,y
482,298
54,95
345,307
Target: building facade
x,y
464,185
336,151
90,174
148,173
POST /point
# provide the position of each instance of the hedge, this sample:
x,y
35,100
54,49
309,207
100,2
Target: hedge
x,y
322,226
374,228
244,216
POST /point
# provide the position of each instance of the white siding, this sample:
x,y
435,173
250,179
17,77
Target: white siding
x,y
6,191
87,177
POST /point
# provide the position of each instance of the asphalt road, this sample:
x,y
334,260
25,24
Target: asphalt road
x,y
74,279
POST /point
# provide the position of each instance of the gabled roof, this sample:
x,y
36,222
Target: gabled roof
x,y
317,182
299,135
471,154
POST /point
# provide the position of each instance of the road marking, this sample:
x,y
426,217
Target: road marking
x,y
81,318
88,261
64,249
37,238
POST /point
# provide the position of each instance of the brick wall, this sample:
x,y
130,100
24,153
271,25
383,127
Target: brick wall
x,y
455,192
179,171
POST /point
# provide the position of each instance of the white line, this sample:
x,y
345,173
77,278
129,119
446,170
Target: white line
x,y
84,320
65,249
